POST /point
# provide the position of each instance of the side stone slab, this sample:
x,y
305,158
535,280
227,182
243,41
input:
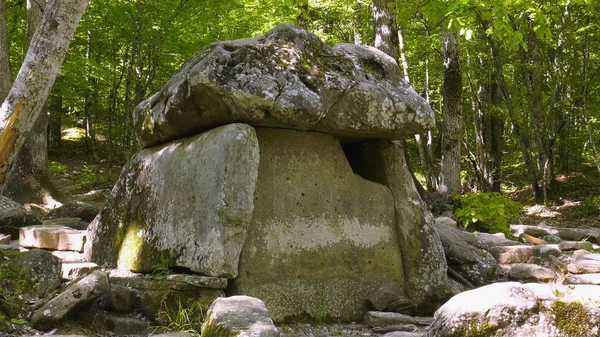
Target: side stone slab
x,y
187,204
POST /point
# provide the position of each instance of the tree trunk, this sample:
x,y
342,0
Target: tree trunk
x,y
385,28
586,113
452,116
29,93
6,78
357,23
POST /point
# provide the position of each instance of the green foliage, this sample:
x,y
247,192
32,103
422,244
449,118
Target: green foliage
x,y
571,319
591,206
488,211
182,319
162,267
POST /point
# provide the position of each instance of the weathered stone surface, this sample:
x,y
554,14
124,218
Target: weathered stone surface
x,y
552,239
423,258
290,79
244,315
4,239
78,294
321,237
189,201
387,299
582,266
120,299
396,327
466,255
575,245
405,334
44,270
442,220
52,237
571,234
14,216
516,254
513,309
493,240
379,318
527,272
155,294
583,279
74,270
74,210
75,223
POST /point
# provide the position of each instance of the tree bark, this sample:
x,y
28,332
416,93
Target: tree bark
x,y
29,93
385,28
452,116
358,40
6,78
586,113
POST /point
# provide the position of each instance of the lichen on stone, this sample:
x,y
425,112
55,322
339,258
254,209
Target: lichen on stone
x,y
572,319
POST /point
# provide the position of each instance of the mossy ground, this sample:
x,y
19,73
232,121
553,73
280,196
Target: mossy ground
x,y
15,284
572,319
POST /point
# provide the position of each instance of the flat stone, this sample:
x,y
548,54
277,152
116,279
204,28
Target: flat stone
x,y
584,267
13,216
570,234
242,315
75,223
69,256
379,318
573,245
75,210
78,294
120,299
585,255
405,334
396,327
200,281
4,239
73,270
189,202
583,279
515,254
531,273
52,237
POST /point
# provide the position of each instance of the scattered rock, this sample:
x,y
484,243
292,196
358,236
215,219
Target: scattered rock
x,y
173,197
79,293
75,223
442,220
516,254
14,216
52,237
572,245
4,239
532,239
74,270
379,318
570,234
247,316
514,309
44,270
583,279
531,273
552,239
349,91
387,299
120,299
584,266
493,240
74,210
405,334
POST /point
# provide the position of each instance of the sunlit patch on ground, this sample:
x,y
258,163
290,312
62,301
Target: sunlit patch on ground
x,y
72,134
541,211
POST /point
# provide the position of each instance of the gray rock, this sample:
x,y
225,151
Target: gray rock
x,y
120,299
573,245
125,325
335,230
396,327
75,223
467,255
188,202
583,279
552,239
379,318
514,309
54,237
79,293
516,254
582,266
387,299
244,315
493,240
424,320
290,79
531,273
14,216
74,270
173,334
74,210
405,334
570,234
442,220
44,270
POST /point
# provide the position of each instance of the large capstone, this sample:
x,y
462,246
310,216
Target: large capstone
x,y
287,78
321,238
185,204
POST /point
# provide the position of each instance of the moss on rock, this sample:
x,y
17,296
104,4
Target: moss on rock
x,y
15,286
572,319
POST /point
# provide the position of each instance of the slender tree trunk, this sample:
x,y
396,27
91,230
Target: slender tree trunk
x,y
32,86
357,23
586,113
385,28
6,78
452,116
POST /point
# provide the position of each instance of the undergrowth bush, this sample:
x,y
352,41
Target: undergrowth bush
x,y
591,206
182,319
489,212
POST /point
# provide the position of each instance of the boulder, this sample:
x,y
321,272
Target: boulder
x,y
242,316
321,238
74,209
467,255
79,294
423,259
185,204
387,299
287,78
54,237
527,272
14,216
44,270
156,295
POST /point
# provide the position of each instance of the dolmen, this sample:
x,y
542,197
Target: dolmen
x,y
277,163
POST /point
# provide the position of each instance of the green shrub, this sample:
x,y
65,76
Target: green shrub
x,y
489,212
182,319
591,206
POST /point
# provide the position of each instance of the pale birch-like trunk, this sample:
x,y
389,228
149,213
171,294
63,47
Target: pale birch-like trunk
x,y
29,93
452,116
